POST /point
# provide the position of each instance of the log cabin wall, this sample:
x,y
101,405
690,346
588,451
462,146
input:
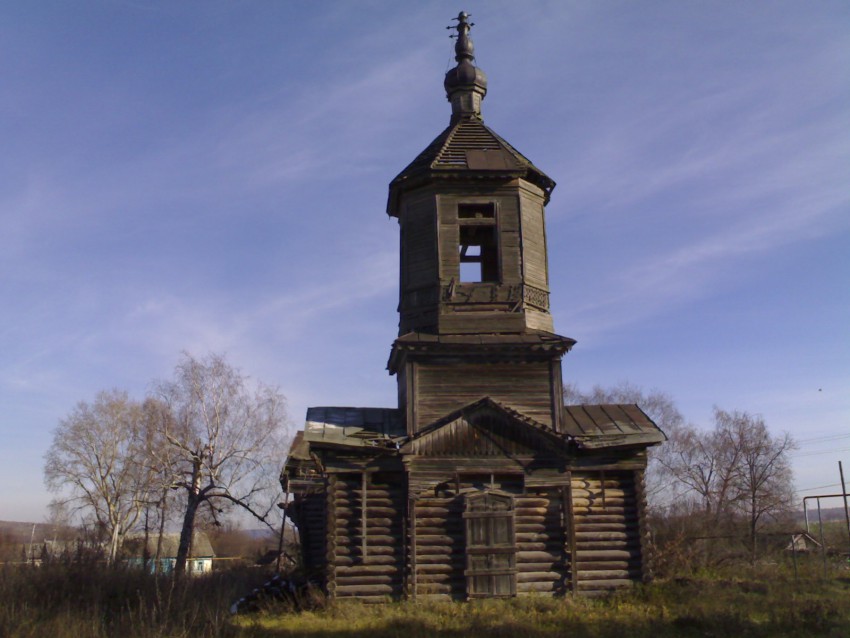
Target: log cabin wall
x,y
608,545
366,553
439,557
542,537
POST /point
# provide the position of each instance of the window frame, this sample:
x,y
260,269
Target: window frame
x,y
478,226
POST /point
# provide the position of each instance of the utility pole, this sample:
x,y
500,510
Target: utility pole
x,y
844,496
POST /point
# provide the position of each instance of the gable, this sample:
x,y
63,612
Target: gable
x,y
486,429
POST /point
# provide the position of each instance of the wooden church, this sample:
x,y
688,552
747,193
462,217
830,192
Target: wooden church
x,y
481,483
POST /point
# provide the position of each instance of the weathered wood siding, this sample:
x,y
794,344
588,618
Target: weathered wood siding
x,y
433,298
366,550
419,242
419,272
534,265
443,388
507,223
608,543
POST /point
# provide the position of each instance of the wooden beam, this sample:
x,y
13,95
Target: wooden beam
x,y
364,481
571,528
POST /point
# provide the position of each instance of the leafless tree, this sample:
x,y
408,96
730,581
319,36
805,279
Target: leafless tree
x,y
738,468
220,441
709,477
762,485
94,456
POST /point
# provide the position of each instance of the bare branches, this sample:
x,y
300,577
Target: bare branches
x,y
224,440
208,434
734,473
95,457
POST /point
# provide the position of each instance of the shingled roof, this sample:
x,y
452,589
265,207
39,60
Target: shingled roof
x,y
469,147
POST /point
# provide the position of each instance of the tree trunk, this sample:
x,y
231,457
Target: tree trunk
x,y
114,539
753,523
192,502
157,560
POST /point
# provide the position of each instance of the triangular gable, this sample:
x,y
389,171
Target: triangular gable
x,y
486,429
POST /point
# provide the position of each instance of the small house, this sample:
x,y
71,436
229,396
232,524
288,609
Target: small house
x,y
160,555
802,543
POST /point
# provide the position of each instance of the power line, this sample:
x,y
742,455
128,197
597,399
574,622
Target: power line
x,y
818,439
817,452
820,487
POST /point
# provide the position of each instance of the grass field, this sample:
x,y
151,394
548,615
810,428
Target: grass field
x,y
701,608
64,601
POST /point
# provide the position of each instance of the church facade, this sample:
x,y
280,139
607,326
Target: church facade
x,y
481,482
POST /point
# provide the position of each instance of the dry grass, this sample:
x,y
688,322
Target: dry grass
x,y
82,601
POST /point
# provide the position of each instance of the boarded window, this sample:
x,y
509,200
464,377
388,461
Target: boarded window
x,y
478,243
490,545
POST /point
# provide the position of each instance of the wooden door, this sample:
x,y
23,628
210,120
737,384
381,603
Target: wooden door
x,y
490,545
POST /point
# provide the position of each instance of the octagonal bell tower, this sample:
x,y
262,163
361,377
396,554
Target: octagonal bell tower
x,y
474,279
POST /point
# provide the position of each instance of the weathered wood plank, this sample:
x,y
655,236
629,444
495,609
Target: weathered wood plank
x,y
610,574
538,577
366,590
606,554
349,561
603,585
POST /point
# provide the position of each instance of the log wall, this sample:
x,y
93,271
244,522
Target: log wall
x,y
366,550
583,533
606,515
542,558
438,557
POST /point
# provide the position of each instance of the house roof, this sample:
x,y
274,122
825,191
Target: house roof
x,y
610,425
587,426
201,546
364,427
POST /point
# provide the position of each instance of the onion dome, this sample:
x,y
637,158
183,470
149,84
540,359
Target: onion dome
x,y
466,84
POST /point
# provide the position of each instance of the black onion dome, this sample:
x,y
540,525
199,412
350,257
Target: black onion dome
x,y
465,76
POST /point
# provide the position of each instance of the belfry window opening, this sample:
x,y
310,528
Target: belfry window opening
x,y
478,245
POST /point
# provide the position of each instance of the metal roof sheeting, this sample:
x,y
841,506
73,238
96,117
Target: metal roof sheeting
x,y
353,426
610,425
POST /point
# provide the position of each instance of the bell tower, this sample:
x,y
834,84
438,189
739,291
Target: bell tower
x,y
473,308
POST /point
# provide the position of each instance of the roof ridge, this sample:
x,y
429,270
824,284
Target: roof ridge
x,y
453,130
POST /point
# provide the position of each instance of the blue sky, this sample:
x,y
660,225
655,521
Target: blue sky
x,y
211,176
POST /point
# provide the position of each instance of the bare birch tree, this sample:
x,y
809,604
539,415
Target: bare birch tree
x,y
221,440
94,456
